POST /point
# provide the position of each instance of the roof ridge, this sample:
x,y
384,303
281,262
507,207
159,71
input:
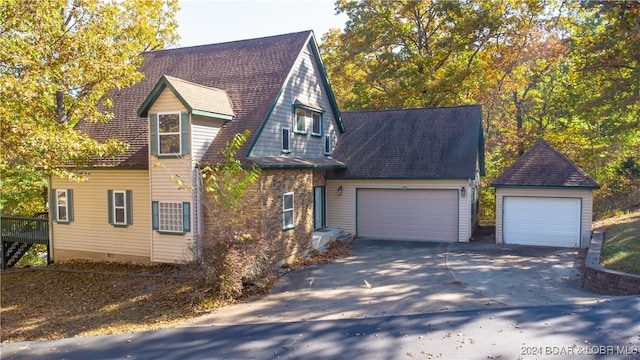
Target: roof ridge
x,y
562,156
169,77
412,109
228,42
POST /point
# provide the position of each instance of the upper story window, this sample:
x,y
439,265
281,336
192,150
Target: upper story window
x,y
169,134
327,144
305,116
286,140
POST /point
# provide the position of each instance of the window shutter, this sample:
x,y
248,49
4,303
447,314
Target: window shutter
x,y
186,133
53,205
110,206
186,217
129,207
153,134
155,219
70,204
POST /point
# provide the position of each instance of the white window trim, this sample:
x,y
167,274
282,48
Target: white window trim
x,y
166,229
296,120
327,144
313,114
179,133
123,207
288,130
285,210
58,205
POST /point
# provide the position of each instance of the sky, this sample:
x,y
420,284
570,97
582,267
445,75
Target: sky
x,y
206,22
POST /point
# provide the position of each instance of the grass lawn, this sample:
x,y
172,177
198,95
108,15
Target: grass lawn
x,y
621,250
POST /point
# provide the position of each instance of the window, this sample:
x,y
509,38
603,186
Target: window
x,y
120,207
169,134
327,144
301,121
316,129
171,217
287,211
286,140
305,115
62,200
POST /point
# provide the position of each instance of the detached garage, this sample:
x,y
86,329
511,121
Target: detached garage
x,y
412,174
544,199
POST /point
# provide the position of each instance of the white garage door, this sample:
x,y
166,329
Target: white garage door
x,y
408,214
541,221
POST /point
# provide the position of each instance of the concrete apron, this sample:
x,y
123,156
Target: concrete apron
x,y
384,278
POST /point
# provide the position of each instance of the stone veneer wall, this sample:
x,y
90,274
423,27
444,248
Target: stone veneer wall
x,y
262,211
601,280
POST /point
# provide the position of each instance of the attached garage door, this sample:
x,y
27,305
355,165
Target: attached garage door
x,y
544,221
408,214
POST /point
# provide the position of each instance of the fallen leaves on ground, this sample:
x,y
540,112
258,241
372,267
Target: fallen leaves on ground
x,y
84,298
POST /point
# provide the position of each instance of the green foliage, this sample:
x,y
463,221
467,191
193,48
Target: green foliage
x,y
59,60
564,71
227,181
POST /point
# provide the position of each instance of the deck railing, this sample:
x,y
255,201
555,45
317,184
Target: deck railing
x,y
17,234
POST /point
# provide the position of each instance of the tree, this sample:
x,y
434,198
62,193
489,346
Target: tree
x,y
59,60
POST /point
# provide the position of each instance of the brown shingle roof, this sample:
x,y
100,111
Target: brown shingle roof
x,y
202,98
544,166
252,72
436,143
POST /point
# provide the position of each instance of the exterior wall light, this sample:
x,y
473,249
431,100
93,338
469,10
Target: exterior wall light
x,y
463,191
340,190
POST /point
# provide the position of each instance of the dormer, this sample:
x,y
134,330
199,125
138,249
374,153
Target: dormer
x,y
184,117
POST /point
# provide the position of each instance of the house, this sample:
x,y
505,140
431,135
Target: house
x,y
412,174
544,199
193,100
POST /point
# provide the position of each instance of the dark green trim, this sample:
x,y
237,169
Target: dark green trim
x,y
298,166
210,114
186,217
110,207
155,215
113,168
155,93
545,187
185,133
325,81
154,141
327,85
397,178
264,122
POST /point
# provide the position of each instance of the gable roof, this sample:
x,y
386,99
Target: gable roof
x,y
544,166
251,72
198,99
435,143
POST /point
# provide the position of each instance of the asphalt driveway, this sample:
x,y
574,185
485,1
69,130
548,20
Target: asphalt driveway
x,y
391,278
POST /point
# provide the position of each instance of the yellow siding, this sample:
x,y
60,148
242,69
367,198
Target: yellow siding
x,y
90,231
171,248
167,102
341,210
586,196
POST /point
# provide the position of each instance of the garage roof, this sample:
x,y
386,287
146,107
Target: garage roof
x,y
544,166
433,143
